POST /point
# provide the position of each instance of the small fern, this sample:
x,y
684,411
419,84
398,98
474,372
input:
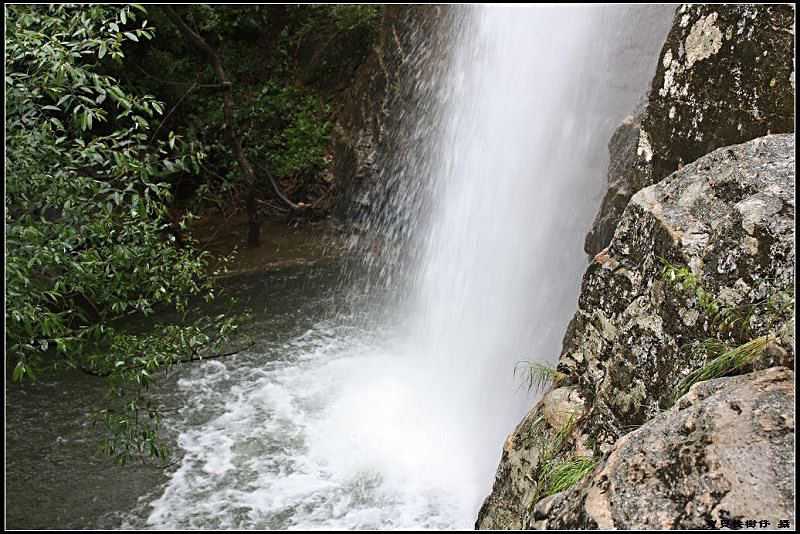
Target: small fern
x,y
736,319
732,321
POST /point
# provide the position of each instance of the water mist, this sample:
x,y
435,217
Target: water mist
x,y
475,234
495,187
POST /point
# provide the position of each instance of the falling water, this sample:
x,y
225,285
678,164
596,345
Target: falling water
x,y
496,177
393,414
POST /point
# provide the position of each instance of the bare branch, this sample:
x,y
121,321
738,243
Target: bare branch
x,y
254,231
278,193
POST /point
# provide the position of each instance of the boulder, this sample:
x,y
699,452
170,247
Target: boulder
x,y
724,452
729,218
725,76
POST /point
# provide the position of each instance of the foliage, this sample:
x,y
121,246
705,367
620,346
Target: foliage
x,y
354,17
89,235
279,58
295,145
336,21
566,474
225,21
723,362
736,325
537,376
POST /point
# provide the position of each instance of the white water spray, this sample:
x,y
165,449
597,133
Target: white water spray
x,y
401,425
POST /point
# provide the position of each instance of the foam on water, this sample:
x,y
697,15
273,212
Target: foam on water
x,y
400,423
331,436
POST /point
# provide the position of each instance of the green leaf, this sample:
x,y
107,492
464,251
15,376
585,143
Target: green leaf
x,y
19,370
88,242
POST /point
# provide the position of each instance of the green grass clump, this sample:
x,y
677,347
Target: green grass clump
x,y
723,362
549,452
536,376
566,474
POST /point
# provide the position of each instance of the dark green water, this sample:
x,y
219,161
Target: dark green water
x,y
55,479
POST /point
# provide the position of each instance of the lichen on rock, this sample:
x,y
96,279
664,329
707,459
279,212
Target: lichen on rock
x,y
704,40
725,452
625,350
726,76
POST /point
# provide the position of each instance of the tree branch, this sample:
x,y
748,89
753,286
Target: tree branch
x,y
254,232
278,193
194,357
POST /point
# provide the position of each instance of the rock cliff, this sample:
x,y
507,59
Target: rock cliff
x,y
726,75
371,122
640,331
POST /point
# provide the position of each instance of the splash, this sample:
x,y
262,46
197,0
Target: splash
x,y
396,419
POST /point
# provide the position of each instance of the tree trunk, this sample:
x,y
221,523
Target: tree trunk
x,y
254,229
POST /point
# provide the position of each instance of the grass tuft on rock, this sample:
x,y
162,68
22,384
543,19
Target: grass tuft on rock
x,y
536,376
722,363
567,473
549,453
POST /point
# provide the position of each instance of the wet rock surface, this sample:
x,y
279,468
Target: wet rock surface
x,y
725,76
729,217
370,123
624,179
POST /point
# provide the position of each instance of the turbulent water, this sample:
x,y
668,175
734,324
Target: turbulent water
x,y
374,409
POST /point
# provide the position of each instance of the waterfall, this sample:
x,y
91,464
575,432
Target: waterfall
x,y
474,238
498,178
